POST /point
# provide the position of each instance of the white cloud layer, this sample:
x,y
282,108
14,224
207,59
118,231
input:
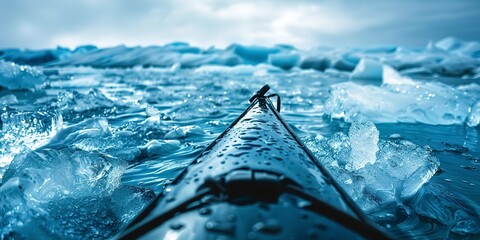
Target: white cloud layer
x,y
304,23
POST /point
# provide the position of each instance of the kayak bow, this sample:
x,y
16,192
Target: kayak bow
x,y
257,180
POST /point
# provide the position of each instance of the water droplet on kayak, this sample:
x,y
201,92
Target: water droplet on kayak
x,y
205,211
269,226
222,227
176,226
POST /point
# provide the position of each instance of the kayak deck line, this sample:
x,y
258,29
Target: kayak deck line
x,y
256,180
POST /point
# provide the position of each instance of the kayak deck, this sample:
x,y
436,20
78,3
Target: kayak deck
x,y
255,181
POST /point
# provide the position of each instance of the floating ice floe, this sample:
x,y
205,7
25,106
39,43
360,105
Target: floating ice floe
x,y
14,76
401,99
374,172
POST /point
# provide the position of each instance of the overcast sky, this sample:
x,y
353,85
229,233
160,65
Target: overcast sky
x,y
303,23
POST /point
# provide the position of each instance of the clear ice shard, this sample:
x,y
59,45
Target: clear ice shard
x,y
374,172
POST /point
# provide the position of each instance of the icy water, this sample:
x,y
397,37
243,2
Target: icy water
x,y
88,148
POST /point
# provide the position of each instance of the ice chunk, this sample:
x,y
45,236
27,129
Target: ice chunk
x,y
455,65
32,57
395,171
368,69
284,61
182,47
8,99
400,100
343,62
31,128
14,76
54,190
52,193
78,102
91,128
390,76
65,172
183,132
20,131
473,119
314,62
456,45
363,142
158,147
94,135
252,54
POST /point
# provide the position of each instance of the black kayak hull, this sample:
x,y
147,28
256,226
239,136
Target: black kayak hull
x,y
255,181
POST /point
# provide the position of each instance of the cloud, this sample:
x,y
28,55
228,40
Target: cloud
x,y
304,23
